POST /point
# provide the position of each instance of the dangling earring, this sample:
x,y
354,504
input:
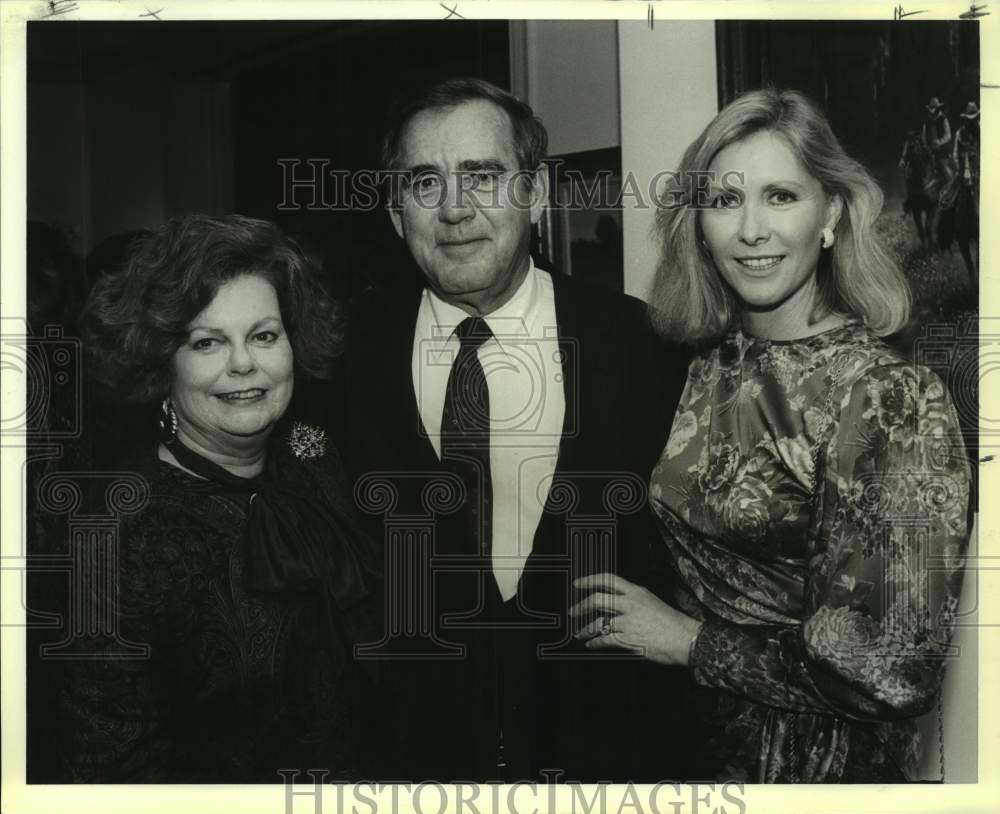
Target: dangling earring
x,y
827,237
168,422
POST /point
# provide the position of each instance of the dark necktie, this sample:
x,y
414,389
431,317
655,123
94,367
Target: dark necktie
x,y
465,432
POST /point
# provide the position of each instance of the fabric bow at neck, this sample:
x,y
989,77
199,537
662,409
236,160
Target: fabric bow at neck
x,y
292,543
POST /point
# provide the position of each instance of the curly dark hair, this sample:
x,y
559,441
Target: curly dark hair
x,y
136,319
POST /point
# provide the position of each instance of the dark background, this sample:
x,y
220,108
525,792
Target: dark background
x,y
270,90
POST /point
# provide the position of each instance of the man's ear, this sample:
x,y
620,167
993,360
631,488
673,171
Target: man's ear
x,y
396,216
539,192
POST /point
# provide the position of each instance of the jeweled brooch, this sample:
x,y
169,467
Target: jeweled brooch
x,y
306,441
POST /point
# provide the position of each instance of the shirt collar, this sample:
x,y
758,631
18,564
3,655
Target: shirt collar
x,y
510,320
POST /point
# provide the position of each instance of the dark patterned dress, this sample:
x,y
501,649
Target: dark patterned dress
x,y
814,495
239,683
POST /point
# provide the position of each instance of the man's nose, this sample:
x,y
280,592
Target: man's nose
x,y
456,204
753,223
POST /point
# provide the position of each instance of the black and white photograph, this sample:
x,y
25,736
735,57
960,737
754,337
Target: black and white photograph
x,y
469,403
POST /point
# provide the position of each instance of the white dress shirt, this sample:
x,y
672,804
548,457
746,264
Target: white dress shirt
x,y
527,405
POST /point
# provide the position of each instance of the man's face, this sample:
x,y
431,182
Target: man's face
x,y
467,215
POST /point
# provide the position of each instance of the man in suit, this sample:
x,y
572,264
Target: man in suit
x,y
500,425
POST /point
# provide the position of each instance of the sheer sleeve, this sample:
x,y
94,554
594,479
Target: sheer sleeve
x,y
884,573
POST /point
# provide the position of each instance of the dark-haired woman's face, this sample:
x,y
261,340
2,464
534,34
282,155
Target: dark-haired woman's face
x,y
233,375
765,237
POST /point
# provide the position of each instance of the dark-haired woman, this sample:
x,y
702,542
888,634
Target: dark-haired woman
x,y
814,489
243,574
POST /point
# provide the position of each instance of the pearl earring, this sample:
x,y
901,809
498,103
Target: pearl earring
x,y
827,237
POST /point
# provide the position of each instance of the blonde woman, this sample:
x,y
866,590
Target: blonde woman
x,y
814,490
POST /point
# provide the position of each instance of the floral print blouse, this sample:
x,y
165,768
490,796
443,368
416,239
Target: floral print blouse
x,y
814,497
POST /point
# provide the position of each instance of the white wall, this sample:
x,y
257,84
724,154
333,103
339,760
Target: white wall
x,y
668,94
599,84
960,694
567,70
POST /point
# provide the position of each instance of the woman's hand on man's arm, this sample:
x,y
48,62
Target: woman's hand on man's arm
x,y
628,616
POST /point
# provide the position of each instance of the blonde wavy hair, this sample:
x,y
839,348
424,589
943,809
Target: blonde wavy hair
x,y
856,277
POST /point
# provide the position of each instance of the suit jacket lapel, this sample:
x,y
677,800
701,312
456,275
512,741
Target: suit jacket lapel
x,y
572,349
548,535
391,373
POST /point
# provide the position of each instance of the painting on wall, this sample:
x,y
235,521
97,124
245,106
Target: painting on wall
x,y
883,86
580,234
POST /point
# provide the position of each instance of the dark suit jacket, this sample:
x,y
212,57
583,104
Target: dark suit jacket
x,y
527,686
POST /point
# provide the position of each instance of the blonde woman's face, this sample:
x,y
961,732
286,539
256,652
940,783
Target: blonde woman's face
x,y
765,234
